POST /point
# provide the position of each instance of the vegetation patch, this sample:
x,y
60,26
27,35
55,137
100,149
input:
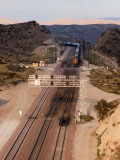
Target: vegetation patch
x,y
104,108
87,118
117,153
99,155
13,74
107,80
99,139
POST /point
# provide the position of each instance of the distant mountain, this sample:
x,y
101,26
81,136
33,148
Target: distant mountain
x,y
90,33
67,21
113,18
24,41
108,47
7,21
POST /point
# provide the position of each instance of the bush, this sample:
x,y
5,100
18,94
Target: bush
x,y
87,118
16,68
103,108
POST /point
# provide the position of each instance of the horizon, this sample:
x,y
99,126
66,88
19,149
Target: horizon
x,y
105,18
67,21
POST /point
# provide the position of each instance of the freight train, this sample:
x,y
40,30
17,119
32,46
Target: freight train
x,y
76,58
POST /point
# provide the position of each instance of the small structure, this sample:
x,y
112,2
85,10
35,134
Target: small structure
x,y
38,65
35,64
42,64
77,117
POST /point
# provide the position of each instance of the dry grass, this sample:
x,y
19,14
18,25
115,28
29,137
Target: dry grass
x,y
8,77
107,80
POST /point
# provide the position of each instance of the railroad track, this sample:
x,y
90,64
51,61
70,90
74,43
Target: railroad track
x,y
60,140
16,145
39,143
45,128
26,128
43,131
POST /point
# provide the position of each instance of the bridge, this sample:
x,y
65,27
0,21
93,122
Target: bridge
x,y
68,43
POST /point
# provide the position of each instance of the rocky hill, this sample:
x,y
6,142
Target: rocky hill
x,y
108,48
25,40
109,137
90,33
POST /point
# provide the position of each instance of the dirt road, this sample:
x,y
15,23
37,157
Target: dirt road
x,y
85,142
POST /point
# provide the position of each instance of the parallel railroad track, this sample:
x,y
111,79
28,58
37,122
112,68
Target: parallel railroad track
x,y
59,145
26,128
39,141
15,146
45,128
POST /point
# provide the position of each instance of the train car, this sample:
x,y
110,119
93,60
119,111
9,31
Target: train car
x,y
76,55
77,50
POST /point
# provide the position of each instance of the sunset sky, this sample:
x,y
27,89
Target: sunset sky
x,y
47,10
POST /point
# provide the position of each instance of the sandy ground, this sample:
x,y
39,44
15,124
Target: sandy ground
x,y
84,142
20,98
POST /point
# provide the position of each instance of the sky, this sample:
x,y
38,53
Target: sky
x,y
48,10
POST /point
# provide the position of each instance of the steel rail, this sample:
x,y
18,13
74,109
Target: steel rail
x,y
44,130
27,126
14,148
62,130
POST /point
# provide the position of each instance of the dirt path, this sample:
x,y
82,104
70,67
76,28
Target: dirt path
x,y
84,142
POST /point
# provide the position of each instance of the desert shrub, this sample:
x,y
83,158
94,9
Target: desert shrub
x,y
87,118
103,108
16,68
117,153
118,83
99,140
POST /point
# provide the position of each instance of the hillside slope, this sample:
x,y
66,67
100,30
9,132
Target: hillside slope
x,y
108,47
18,41
109,137
90,33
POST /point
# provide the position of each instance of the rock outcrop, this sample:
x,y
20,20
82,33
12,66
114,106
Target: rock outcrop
x,y
108,48
109,137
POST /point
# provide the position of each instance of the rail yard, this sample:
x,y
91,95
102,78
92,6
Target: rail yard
x,y
46,128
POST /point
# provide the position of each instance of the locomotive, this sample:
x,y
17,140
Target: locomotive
x,y
76,58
